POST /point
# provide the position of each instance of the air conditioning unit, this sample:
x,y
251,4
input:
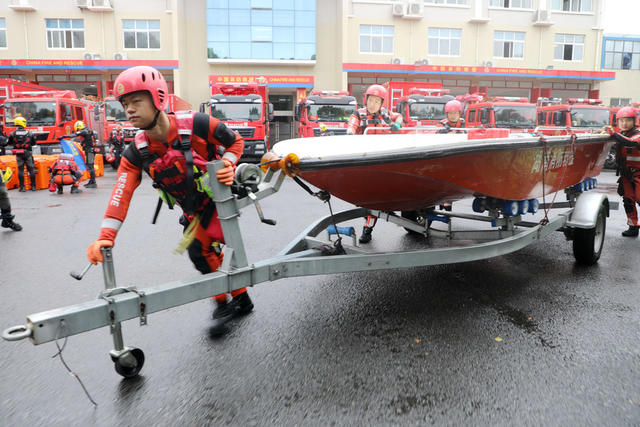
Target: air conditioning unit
x,y
88,56
487,64
82,3
541,18
423,61
398,9
397,60
97,57
101,3
415,10
119,56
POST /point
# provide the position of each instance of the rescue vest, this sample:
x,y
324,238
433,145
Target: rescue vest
x,y
88,139
117,136
22,138
381,119
180,174
445,123
631,155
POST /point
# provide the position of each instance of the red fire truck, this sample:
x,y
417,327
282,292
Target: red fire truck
x,y
245,108
505,112
423,106
578,115
49,114
324,112
397,90
10,87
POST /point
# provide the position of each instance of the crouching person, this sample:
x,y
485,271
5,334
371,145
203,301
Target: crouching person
x,y
65,172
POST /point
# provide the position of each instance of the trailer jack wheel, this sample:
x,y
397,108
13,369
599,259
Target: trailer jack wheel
x,y
129,362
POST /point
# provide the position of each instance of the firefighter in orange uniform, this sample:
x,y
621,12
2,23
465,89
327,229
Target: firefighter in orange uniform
x,y
65,172
170,146
373,115
453,111
628,158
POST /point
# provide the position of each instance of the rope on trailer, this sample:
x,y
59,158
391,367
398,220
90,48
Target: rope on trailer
x,y
573,137
325,196
59,353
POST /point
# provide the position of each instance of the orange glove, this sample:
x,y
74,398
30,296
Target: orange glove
x,y
225,175
93,251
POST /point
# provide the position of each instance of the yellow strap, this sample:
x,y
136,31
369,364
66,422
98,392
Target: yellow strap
x,y
188,236
6,176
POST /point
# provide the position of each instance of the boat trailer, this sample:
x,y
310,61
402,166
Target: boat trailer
x,y
313,252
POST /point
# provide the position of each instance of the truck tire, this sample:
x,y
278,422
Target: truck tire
x,y
588,242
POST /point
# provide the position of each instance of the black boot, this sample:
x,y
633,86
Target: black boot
x,y
632,231
22,190
7,222
91,184
241,304
60,190
75,190
33,183
366,234
222,315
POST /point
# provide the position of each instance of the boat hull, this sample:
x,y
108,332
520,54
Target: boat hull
x,y
504,169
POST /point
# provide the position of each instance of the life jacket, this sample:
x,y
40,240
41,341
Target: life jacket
x,y
117,136
380,119
446,124
180,174
88,139
21,137
631,155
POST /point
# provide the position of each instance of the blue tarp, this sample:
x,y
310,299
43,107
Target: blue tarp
x,y
69,147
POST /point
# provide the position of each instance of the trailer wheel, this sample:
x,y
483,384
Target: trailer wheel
x,y
588,242
419,217
129,363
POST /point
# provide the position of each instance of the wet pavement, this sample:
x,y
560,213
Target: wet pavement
x,y
529,338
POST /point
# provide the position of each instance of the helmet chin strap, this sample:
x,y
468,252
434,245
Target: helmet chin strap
x,y
153,123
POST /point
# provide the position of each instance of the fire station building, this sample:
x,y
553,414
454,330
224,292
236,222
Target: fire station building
x,y
525,48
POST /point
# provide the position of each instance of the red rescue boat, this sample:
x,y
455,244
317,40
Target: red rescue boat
x,y
415,171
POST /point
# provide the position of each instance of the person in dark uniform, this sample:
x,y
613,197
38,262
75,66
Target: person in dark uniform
x,y
23,141
88,142
116,139
3,140
5,206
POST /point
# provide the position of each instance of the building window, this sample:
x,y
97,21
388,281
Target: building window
x,y
571,5
3,32
511,4
141,33
622,54
376,39
568,47
261,29
508,44
65,33
620,101
444,41
446,1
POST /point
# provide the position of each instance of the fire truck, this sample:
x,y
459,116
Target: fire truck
x,y
49,114
578,115
10,87
324,112
396,90
243,107
506,112
423,106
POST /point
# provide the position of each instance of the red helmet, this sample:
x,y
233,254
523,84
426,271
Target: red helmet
x,y
627,112
453,105
145,78
375,90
